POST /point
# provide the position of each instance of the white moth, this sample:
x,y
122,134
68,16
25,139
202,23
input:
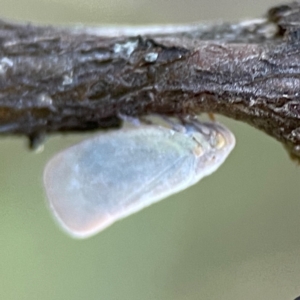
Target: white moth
x,y
110,176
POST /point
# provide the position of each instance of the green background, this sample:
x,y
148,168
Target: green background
x,y
235,235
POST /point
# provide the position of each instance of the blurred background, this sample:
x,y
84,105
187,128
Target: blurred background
x,y
235,235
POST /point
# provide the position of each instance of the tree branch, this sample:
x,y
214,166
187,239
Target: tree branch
x,y
67,79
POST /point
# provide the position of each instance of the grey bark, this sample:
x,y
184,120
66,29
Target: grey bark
x,y
71,79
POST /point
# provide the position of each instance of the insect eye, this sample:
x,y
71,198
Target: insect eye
x,y
219,141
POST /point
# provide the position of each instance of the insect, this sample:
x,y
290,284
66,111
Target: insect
x,y
91,185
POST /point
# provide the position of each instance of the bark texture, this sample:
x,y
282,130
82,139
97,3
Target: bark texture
x,y
71,79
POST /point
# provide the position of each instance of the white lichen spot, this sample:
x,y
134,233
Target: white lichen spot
x,y
296,133
151,57
67,79
251,23
126,48
44,100
252,102
268,30
264,56
5,64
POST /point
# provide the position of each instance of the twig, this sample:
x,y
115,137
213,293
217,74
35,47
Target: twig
x,y
66,79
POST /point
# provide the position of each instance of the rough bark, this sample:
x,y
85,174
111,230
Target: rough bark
x,y
68,79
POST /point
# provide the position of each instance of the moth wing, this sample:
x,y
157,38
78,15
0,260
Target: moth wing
x,y
99,181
